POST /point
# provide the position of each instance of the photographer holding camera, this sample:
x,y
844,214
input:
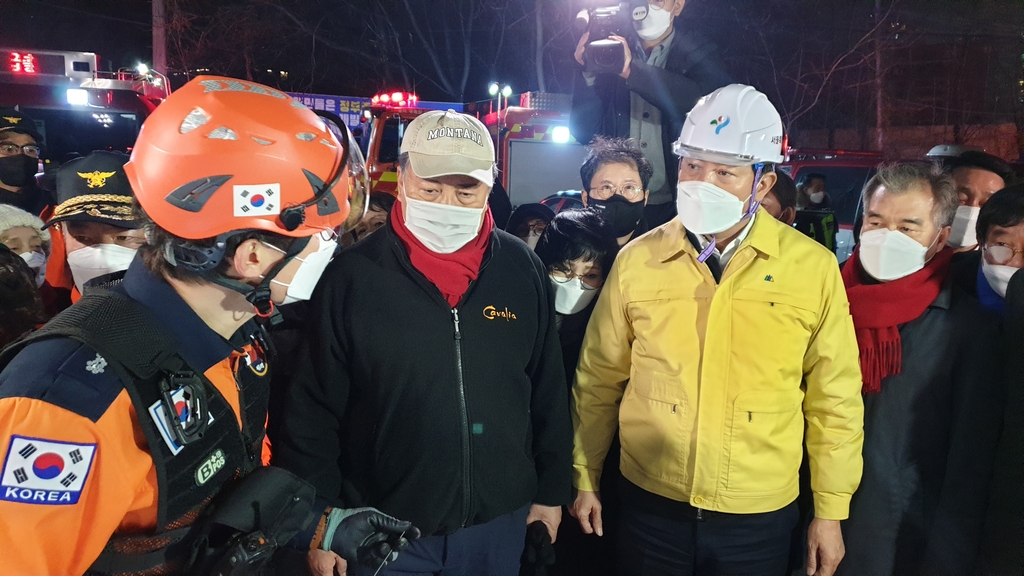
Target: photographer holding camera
x,y
640,77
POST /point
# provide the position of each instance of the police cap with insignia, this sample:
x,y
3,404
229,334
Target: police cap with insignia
x,y
14,121
94,188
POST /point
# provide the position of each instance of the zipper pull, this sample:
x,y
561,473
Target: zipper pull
x,y
455,316
750,416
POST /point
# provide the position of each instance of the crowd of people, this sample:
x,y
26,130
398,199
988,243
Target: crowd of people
x,y
223,355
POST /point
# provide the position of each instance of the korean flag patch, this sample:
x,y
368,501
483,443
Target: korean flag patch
x,y
257,199
38,471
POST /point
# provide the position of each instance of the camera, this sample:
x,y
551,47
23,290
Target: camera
x,y
602,55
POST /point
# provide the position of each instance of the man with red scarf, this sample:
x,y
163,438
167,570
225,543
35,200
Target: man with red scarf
x,y
932,400
431,384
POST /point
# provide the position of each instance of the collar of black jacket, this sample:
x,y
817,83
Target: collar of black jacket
x,y
945,298
198,344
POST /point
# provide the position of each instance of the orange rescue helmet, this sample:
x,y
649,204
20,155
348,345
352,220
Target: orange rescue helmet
x,y
222,156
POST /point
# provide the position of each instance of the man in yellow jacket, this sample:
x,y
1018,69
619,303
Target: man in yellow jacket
x,y
721,346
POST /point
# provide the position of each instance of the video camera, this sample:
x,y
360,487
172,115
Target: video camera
x,y
604,56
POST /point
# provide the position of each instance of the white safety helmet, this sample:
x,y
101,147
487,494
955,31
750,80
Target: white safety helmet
x,y
734,125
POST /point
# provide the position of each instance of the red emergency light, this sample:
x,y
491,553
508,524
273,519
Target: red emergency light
x,y
22,63
396,99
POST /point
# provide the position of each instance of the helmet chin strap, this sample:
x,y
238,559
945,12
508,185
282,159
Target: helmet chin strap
x,y
752,207
259,295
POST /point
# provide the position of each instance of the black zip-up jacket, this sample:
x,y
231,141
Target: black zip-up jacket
x,y
447,417
693,69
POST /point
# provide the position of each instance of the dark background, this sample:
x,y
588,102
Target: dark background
x,y
943,62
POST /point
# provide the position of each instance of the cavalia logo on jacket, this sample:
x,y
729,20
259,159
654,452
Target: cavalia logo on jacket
x,y
492,313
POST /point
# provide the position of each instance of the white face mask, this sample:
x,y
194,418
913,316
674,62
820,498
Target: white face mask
x,y
311,268
37,262
442,228
532,239
570,296
91,261
707,209
998,275
965,227
889,255
655,25
816,197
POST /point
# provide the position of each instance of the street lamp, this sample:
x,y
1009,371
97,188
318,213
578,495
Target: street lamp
x,y
505,91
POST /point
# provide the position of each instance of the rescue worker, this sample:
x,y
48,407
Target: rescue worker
x,y
812,194
131,425
97,234
717,340
19,162
431,384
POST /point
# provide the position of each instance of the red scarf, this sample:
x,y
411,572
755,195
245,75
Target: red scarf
x,y
879,309
451,273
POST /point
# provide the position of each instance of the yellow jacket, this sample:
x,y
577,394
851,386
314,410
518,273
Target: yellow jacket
x,y
711,384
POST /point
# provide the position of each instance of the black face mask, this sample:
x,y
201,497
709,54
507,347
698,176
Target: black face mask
x,y
18,171
621,214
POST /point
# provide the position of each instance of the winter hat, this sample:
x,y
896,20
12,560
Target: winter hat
x,y
12,217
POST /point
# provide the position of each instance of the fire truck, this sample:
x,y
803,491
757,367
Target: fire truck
x,y
536,154
77,106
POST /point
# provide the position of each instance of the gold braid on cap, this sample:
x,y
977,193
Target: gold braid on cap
x,y
93,204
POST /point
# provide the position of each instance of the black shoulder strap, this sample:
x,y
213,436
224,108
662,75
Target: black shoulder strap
x,y
118,328
143,354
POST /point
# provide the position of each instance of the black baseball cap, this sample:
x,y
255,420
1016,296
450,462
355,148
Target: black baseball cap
x,y
15,121
94,188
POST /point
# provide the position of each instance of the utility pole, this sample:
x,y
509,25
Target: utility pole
x,y
538,55
159,37
879,85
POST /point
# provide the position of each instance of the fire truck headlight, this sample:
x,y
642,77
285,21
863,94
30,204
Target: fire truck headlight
x,y
78,97
560,134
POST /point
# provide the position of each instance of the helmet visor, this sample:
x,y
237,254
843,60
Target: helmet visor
x,y
352,169
687,151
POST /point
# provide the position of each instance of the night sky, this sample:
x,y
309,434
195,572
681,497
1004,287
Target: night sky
x,y
946,61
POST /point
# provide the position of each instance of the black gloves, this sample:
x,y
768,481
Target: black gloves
x,y
367,536
539,554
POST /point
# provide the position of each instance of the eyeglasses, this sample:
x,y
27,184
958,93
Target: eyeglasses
x,y
630,192
12,149
1001,253
658,3
594,283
